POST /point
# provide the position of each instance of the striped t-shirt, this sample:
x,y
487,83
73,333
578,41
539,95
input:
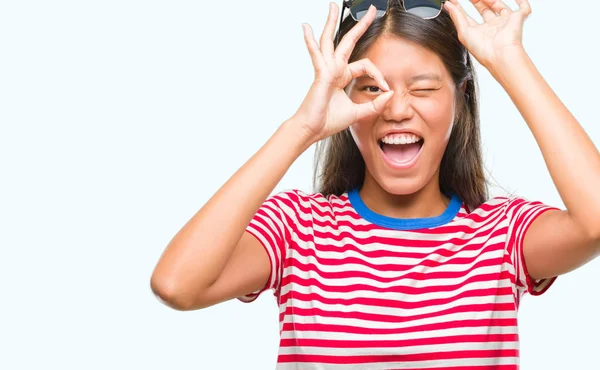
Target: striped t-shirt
x,y
359,290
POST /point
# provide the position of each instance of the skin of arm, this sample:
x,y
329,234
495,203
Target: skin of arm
x,y
557,241
200,251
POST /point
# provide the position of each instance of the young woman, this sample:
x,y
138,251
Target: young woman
x,y
400,259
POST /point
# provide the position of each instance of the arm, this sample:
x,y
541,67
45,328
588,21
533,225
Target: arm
x,y
211,260
557,241
189,274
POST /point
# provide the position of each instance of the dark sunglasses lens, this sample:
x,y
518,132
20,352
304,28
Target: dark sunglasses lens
x,y
360,7
424,8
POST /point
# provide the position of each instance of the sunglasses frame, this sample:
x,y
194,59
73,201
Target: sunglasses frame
x,y
347,4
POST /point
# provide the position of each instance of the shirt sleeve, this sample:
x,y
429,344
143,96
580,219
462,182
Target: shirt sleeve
x,y
272,226
521,213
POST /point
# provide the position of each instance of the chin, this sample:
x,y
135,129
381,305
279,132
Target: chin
x,y
401,185
400,178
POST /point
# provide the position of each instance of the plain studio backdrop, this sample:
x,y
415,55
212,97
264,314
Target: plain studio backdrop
x,y
120,119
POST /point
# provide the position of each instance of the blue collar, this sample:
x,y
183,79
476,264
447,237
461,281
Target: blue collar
x,y
404,223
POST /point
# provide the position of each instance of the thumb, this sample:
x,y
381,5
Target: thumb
x,y
459,16
374,107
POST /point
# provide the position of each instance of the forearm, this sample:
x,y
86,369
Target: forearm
x,y
197,255
571,157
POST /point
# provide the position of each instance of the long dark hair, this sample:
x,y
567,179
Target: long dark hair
x,y
339,160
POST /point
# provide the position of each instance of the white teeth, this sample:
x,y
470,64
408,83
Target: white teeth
x,y
401,139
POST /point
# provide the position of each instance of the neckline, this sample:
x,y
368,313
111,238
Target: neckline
x,y
404,223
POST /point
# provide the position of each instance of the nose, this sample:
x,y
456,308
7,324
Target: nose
x,y
398,108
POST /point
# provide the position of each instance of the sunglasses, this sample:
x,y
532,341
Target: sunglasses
x,y
426,9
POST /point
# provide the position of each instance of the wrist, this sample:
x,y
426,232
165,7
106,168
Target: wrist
x,y
294,133
507,62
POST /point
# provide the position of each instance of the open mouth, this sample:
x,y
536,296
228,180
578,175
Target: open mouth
x,y
401,148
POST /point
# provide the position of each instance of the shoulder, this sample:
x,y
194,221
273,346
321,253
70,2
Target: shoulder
x,y
304,201
493,204
303,196
507,205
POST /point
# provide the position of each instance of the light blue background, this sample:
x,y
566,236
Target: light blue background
x,y
119,119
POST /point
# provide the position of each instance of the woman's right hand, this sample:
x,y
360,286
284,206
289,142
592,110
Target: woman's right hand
x,y
327,109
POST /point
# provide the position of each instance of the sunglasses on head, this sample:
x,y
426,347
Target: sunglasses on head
x,y
426,9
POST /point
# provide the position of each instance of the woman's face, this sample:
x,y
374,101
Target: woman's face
x,y
403,146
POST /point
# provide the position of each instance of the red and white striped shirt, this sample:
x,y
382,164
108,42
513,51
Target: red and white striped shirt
x,y
358,290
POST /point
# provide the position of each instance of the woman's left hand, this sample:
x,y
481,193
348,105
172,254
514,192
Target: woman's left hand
x,y
498,36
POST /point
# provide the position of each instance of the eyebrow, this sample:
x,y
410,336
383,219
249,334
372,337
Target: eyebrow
x,y
425,76
413,79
